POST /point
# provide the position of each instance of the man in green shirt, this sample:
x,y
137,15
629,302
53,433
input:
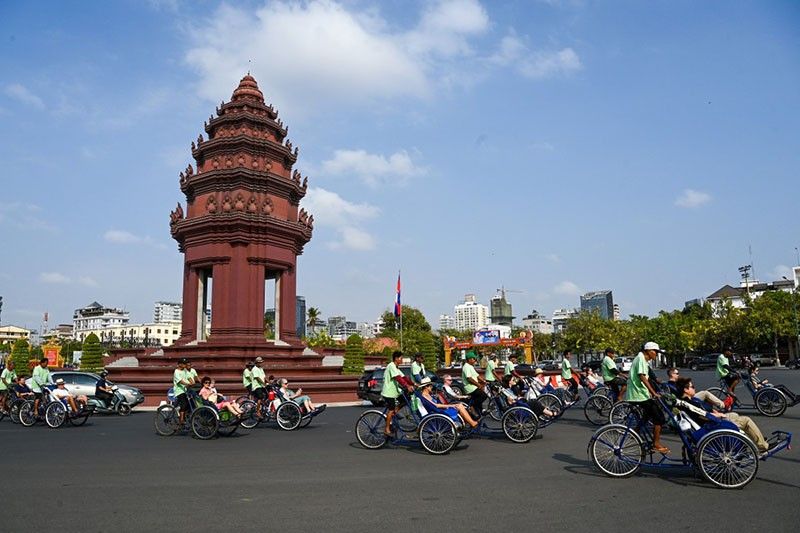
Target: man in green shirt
x,y
247,377
566,375
180,382
473,384
490,375
258,384
641,392
418,368
725,372
41,377
612,377
393,380
194,381
7,379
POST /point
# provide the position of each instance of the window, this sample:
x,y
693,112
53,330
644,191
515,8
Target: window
x,y
84,379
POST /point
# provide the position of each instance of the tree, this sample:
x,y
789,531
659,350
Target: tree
x,y
269,324
321,340
313,315
21,354
353,355
428,349
415,327
92,358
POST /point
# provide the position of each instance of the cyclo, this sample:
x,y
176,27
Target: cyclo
x,y
55,412
718,450
438,430
596,404
203,418
769,400
286,413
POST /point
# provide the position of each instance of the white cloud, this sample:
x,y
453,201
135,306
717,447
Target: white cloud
x,y
779,271
553,258
373,169
125,237
331,210
86,280
22,94
691,199
567,288
53,277
540,65
445,27
24,216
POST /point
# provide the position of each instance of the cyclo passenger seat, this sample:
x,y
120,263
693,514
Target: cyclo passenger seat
x,y
425,406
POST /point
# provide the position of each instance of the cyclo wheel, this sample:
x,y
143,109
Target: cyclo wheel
x,y
167,420
616,450
249,418
204,422
27,416
55,415
13,412
369,429
495,411
550,401
288,416
602,390
562,395
405,420
727,459
520,424
437,434
597,409
770,402
78,420
305,421
228,424
619,413
719,393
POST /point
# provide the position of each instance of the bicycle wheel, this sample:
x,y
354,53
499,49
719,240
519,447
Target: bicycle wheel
x,y
520,424
13,413
597,409
495,411
563,396
27,415
550,401
619,413
437,434
602,390
249,418
727,459
305,422
405,420
719,393
770,402
228,423
80,419
167,420
288,416
369,429
204,422
55,415
616,450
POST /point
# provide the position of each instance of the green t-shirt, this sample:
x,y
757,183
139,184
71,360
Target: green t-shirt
x,y
566,369
637,391
390,387
178,376
489,374
468,371
7,376
258,373
509,368
247,377
192,374
722,361
417,370
606,367
41,376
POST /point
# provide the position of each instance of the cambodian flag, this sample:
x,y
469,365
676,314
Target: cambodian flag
x,y
398,309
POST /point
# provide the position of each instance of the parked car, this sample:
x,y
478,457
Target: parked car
x,y
371,382
703,362
623,363
793,363
763,359
85,383
594,364
549,364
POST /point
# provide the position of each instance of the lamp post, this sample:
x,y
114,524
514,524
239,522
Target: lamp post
x,y
796,329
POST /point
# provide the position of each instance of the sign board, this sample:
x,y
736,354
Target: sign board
x,y
50,351
486,336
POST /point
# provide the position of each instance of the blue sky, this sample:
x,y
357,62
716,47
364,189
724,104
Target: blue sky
x,y
553,147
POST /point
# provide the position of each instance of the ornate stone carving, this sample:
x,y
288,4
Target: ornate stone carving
x,y
305,183
215,162
193,146
228,162
303,217
227,204
239,205
296,176
211,204
266,206
252,206
176,215
311,222
241,160
189,170
199,140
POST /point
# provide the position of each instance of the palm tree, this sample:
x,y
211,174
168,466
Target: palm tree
x,y
313,315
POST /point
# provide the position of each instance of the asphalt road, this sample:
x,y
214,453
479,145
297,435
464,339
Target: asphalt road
x,y
116,474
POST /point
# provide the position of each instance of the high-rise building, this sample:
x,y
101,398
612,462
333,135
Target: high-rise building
x,y
500,309
300,315
600,301
560,317
167,312
617,312
94,316
538,323
470,315
446,322
339,328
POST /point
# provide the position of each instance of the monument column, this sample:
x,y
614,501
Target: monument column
x,y
288,291
189,311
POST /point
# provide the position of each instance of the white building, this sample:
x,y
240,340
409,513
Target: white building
x,y
167,312
560,317
96,317
163,334
446,322
366,330
538,323
13,333
617,312
377,327
737,295
470,315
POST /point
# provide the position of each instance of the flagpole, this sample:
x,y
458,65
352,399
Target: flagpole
x,y
401,315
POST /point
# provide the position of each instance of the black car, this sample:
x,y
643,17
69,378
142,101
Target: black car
x,y
702,362
370,383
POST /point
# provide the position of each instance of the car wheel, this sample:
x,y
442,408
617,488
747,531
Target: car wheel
x,y
694,367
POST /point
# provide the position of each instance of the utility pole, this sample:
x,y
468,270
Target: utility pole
x,y
796,328
745,272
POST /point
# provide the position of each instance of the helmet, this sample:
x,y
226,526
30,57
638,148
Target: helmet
x,y
104,373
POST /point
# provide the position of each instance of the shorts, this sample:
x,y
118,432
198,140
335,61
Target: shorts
x,y
476,399
730,378
652,411
38,395
183,402
260,393
393,403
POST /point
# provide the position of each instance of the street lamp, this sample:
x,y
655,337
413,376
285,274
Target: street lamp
x,y
796,329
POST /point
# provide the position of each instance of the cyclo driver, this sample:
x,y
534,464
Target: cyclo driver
x,y
102,390
41,377
612,377
642,393
393,379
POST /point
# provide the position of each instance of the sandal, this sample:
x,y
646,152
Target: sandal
x,y
661,449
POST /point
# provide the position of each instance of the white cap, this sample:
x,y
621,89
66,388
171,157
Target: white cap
x,y
652,346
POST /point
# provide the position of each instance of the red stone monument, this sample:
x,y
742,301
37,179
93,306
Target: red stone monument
x,y
242,228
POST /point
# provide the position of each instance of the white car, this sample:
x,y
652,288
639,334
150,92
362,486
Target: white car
x,y
623,364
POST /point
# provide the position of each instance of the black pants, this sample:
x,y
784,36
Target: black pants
x,y
651,411
476,399
106,397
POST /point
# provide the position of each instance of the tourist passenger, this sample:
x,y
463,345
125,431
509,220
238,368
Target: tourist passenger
x,y
612,377
539,382
642,393
247,377
755,381
512,398
393,379
697,412
180,382
7,379
473,384
297,396
62,393
449,392
726,373
425,389
418,367
258,385
672,376
41,377
567,376
21,390
209,392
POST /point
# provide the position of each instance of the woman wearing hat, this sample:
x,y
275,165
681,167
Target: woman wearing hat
x,y
425,389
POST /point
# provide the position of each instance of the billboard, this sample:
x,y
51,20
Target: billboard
x,y
486,336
